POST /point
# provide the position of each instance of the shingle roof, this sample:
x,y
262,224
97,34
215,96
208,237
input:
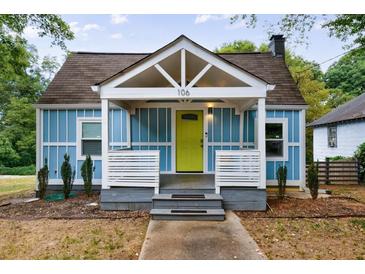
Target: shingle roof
x,y
72,84
352,110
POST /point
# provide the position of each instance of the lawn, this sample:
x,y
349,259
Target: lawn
x,y
328,228
72,239
16,186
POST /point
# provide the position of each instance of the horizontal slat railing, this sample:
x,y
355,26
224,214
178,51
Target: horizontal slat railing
x,y
237,168
134,168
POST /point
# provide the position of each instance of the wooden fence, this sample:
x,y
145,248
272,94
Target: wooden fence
x,y
338,172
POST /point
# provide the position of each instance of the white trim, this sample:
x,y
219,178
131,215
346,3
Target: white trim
x,y
60,143
284,122
79,122
105,141
183,69
173,93
76,182
185,44
167,76
67,106
302,149
39,136
198,76
261,142
285,107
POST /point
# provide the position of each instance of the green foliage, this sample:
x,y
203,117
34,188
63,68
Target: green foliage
x,y
43,181
49,25
312,178
281,174
309,80
68,176
339,158
244,46
87,174
21,170
347,27
348,74
360,156
23,78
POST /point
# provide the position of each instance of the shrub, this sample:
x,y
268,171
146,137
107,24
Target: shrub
x,y
19,170
281,175
68,176
43,181
360,156
87,174
312,177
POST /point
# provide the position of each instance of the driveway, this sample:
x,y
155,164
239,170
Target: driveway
x,y
199,240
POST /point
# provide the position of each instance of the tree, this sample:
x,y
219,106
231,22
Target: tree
x,y
68,176
241,46
19,129
87,174
8,156
49,25
348,74
297,26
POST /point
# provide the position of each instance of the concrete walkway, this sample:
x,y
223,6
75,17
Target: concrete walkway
x,y
199,240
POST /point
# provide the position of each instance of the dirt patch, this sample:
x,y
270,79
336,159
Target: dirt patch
x,y
72,239
305,208
73,208
309,238
352,191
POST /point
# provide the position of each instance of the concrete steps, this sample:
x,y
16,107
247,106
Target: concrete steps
x,y
183,206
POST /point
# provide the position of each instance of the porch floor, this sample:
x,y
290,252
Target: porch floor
x,y
187,181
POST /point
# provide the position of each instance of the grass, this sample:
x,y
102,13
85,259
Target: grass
x,y
16,186
19,170
309,238
354,191
72,239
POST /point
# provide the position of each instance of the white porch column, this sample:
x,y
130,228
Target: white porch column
x,y
39,148
105,141
261,145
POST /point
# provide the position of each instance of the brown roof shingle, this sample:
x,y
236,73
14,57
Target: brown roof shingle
x,y
352,110
72,84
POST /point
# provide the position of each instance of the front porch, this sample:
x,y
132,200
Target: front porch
x,y
184,114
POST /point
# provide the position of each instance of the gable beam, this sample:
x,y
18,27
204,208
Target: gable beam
x,y
167,76
183,68
200,75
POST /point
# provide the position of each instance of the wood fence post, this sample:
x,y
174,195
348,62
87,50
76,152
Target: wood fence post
x,y
327,171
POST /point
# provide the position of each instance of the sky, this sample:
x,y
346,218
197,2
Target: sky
x,y
147,33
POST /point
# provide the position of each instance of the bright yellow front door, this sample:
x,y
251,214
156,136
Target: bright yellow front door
x,y
189,141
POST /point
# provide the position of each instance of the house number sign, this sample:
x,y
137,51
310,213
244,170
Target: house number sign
x,y
183,92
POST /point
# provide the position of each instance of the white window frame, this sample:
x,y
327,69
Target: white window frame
x,y
80,121
284,122
328,136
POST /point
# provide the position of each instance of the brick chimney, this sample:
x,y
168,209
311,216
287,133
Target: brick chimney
x,y
277,45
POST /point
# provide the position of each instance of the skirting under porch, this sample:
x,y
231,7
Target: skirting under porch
x,y
138,198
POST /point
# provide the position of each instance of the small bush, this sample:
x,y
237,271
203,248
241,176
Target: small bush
x,y
87,174
43,181
340,158
281,175
312,177
19,170
68,176
360,156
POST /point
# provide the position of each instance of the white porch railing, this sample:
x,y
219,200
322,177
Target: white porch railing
x,y
134,168
237,168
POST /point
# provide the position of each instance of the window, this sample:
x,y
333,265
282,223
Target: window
x,y
276,137
332,136
90,138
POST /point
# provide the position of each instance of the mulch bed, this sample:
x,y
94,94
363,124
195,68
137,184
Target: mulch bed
x,y
308,208
73,208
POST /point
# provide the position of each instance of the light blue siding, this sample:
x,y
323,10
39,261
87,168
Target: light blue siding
x,y
45,125
71,125
53,126
117,129
61,153
153,125
53,162
162,136
62,126
97,169
227,125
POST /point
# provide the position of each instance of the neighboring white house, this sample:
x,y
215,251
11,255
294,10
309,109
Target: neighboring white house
x,y
341,131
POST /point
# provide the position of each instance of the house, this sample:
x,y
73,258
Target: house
x,y
182,130
341,131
